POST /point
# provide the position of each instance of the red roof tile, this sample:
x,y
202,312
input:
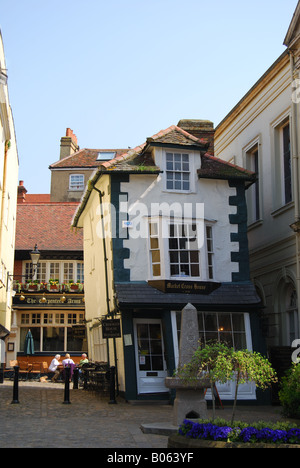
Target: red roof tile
x,y
48,225
85,158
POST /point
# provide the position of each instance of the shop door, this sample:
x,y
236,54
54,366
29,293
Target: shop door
x,y
150,362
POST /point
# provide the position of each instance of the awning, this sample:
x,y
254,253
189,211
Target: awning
x,y
3,332
229,296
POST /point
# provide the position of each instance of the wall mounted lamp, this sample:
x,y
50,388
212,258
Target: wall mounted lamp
x,y
35,256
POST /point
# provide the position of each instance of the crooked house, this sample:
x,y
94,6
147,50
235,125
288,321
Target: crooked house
x,y
164,225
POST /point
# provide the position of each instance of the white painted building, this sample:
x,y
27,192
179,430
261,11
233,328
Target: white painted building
x,y
174,224
9,166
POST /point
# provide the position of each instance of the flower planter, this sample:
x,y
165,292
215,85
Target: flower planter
x,y
178,441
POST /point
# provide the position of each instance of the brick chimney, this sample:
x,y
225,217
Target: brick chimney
x,y
200,129
21,192
68,144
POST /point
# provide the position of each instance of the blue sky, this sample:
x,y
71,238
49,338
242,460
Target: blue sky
x,y
119,71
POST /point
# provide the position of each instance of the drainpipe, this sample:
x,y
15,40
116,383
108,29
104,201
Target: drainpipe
x,y
101,194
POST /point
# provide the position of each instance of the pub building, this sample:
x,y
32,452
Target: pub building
x,y
144,265
48,297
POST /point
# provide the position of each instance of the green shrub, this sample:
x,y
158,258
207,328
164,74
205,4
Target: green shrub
x,y
289,393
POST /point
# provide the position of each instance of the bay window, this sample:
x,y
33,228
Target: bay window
x,y
176,250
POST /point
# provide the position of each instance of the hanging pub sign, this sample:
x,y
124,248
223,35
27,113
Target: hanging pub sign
x,y
185,287
111,328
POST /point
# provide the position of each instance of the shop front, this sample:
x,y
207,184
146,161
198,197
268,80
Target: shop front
x,y
56,322
151,322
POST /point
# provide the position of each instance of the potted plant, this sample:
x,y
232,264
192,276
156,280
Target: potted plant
x,y
53,285
72,286
33,285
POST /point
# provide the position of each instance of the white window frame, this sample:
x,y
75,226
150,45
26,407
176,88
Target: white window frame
x,y
191,171
46,268
254,193
76,187
163,247
277,127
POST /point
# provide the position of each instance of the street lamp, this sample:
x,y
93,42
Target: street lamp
x,y
35,256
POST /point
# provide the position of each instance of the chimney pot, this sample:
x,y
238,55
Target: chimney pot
x,y
68,144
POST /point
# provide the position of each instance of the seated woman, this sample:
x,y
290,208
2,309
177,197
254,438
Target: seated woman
x,y
68,362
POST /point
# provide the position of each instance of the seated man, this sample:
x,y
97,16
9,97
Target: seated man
x,y
54,368
84,360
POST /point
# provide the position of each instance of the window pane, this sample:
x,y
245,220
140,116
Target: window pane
x,y
53,339
36,333
156,270
76,339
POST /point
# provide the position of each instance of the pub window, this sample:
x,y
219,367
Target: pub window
x,y
25,319
72,318
36,319
65,335
68,271
59,318
54,270
80,272
48,318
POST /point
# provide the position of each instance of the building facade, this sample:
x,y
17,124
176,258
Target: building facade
x,y
261,133
70,174
164,225
48,301
9,167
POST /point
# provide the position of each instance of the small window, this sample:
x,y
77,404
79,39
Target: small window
x,y
178,172
106,155
76,182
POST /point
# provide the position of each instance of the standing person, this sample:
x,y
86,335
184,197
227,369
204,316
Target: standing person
x,y
54,367
68,362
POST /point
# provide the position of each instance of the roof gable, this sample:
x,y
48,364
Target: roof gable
x,y
293,33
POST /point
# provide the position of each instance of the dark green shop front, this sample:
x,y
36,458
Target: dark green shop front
x,y
151,330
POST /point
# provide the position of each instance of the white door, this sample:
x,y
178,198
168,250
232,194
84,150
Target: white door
x,y
149,351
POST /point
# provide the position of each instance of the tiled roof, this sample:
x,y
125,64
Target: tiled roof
x,y
228,294
171,136
84,158
48,226
215,168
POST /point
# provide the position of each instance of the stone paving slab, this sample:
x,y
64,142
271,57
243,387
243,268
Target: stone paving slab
x,y
41,420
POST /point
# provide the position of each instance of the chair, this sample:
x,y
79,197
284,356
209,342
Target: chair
x,y
35,371
44,367
24,369
13,363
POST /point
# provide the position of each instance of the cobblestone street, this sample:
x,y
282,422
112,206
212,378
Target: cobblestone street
x,y
41,420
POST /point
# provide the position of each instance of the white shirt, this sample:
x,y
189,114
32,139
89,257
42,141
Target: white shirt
x,y
53,365
67,362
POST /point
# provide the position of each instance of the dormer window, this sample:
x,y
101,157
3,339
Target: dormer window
x,y
178,172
